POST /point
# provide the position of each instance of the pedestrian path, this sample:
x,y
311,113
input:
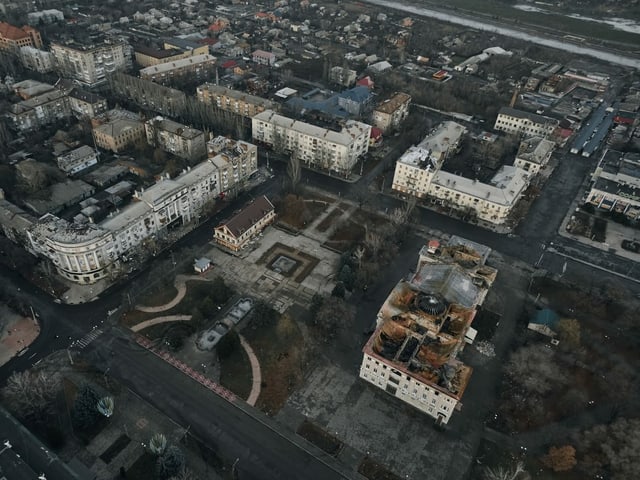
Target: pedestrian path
x,y
181,285
157,320
256,375
88,338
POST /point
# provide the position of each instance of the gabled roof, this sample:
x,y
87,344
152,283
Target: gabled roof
x,y
248,216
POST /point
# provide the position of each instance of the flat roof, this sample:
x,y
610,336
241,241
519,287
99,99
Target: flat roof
x,y
350,130
175,128
535,149
534,117
435,145
167,67
229,92
118,126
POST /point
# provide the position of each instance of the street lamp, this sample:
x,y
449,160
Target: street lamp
x,y
7,444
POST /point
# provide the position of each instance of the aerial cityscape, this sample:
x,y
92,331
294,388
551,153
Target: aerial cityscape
x,y
296,239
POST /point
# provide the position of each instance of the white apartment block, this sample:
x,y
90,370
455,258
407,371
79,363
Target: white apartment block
x,y
37,60
392,112
518,122
86,253
230,100
422,327
90,64
197,67
314,146
534,154
175,138
418,173
236,161
77,160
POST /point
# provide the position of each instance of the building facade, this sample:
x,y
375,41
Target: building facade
x,y
419,173
615,184
342,76
175,138
231,100
263,58
148,57
236,161
196,68
86,104
90,64
36,59
391,113
236,233
13,38
518,122
118,134
77,160
314,146
39,110
422,327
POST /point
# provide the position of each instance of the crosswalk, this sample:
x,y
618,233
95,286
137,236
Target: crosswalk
x,y
88,338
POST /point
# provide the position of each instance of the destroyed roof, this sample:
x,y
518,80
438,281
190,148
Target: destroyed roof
x,y
451,281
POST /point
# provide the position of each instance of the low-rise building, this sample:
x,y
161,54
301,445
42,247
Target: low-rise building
x,y
230,100
342,76
37,60
533,154
39,110
90,63
148,56
423,325
77,160
45,16
196,68
318,147
175,138
615,184
419,173
86,104
13,38
518,122
118,134
389,114
264,58
235,233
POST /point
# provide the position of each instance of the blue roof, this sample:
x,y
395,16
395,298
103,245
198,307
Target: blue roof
x,y
330,106
358,94
546,317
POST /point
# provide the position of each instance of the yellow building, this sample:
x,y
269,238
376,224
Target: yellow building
x,y
235,233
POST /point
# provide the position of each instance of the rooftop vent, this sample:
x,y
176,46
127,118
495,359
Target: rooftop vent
x,y
431,303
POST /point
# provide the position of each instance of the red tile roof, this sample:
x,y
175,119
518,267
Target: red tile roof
x,y
13,33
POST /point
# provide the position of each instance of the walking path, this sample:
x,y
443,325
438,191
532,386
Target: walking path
x,y
256,375
158,320
181,285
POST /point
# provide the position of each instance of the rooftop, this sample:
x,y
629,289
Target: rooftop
x,y
238,95
11,32
535,149
118,126
535,118
85,96
34,102
435,147
175,128
249,215
167,67
350,130
392,104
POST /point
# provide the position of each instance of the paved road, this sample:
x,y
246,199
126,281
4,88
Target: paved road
x,y
263,452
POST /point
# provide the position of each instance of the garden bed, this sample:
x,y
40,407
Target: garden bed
x,y
327,222
321,439
375,471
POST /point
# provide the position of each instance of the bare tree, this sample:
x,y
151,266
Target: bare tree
x,y
294,172
31,394
560,459
505,473
333,315
373,240
535,369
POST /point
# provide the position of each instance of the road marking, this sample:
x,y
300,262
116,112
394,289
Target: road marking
x,y
89,337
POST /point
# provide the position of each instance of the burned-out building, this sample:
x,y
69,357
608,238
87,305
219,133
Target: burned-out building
x,y
423,325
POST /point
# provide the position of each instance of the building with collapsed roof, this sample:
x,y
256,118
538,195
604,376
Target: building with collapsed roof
x,y
419,173
391,113
422,326
534,154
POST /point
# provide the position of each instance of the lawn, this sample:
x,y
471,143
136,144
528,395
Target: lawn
x,y
280,349
375,471
328,221
345,236
235,373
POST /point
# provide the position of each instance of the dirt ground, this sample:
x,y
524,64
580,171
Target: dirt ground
x,y
16,334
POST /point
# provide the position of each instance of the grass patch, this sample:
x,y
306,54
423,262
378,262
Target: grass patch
x,y
280,350
159,297
375,471
324,225
315,208
235,372
321,439
143,468
345,235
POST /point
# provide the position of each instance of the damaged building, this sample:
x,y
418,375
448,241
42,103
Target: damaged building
x,y
424,324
